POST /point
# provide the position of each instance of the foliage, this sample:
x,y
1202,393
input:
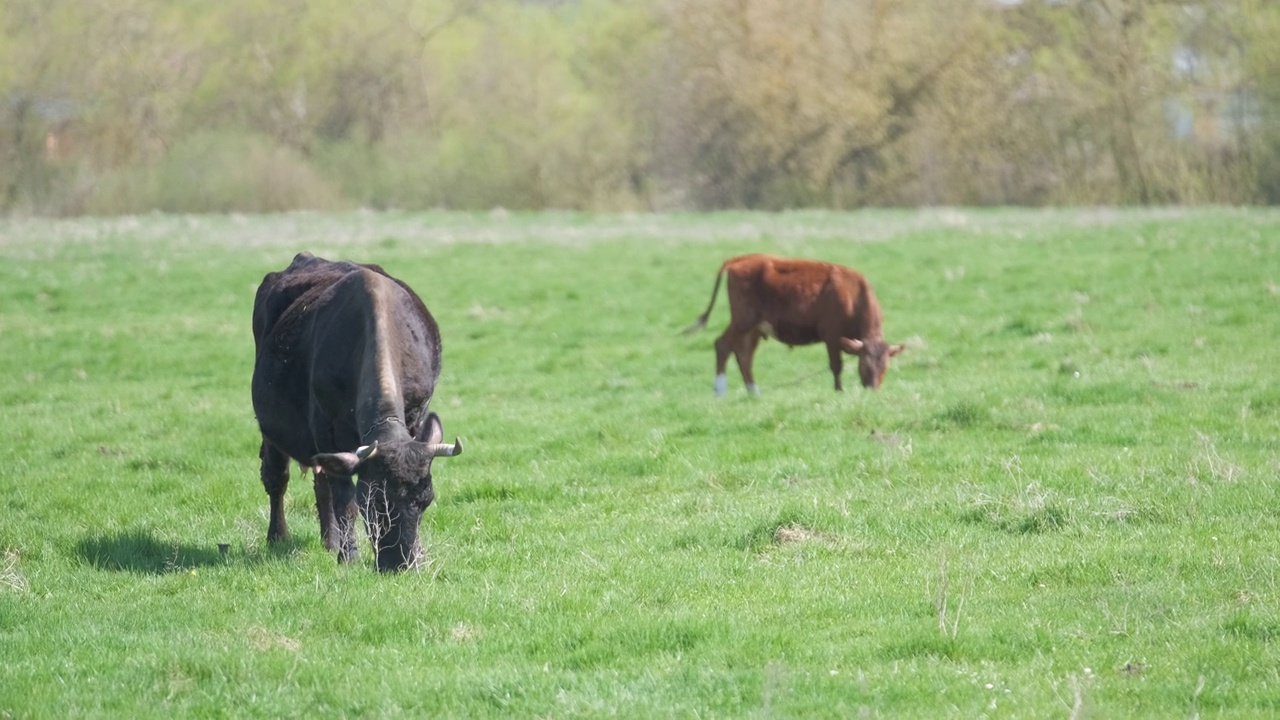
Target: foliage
x,y
1061,501
793,103
654,104
233,173
1259,22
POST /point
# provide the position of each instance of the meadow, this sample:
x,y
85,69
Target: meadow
x,y
1062,502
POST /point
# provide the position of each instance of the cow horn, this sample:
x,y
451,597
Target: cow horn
x,y
853,345
445,449
365,452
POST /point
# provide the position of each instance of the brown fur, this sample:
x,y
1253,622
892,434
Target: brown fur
x,y
800,302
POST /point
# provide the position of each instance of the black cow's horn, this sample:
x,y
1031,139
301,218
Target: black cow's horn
x,y
445,449
365,452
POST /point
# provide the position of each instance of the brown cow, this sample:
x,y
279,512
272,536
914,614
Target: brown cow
x,y
799,302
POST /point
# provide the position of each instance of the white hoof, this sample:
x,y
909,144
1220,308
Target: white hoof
x,y
722,385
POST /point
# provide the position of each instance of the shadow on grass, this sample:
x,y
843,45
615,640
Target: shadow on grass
x,y
137,551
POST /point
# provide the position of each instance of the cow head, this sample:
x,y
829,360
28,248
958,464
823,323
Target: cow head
x,y
394,488
873,358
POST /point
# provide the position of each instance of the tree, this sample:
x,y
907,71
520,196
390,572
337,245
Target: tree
x,y
801,102
1259,26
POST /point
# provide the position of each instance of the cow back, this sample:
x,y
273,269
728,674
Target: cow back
x,y
800,301
338,342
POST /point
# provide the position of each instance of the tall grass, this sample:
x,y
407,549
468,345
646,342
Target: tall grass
x,y
1060,503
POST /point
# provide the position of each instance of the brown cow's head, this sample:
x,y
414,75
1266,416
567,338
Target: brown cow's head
x,y
873,359
394,489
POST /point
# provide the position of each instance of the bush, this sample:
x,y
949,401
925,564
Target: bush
x,y
219,172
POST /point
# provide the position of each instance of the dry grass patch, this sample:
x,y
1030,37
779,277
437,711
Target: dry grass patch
x,y
263,639
10,576
462,632
794,534
1033,509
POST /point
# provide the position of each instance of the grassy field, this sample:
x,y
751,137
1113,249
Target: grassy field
x,y
1063,501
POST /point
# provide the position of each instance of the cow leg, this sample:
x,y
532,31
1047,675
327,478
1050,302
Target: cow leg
x,y
745,352
343,495
837,362
724,345
275,478
324,510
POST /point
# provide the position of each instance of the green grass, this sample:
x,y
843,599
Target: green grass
x,y
1063,500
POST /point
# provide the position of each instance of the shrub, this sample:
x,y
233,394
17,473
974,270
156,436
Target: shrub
x,y
219,172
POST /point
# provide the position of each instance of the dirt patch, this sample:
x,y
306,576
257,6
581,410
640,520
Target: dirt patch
x,y
794,534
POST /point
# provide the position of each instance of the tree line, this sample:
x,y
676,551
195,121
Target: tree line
x,y
126,106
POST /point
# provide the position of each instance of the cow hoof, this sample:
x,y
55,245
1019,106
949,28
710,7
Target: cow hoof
x,y
753,389
722,385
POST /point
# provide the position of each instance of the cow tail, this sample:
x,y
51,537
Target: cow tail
x,y
702,319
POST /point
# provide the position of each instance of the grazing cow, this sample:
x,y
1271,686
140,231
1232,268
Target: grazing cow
x,y
347,359
799,302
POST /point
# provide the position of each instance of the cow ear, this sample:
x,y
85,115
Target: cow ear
x,y
343,463
851,346
432,430
895,349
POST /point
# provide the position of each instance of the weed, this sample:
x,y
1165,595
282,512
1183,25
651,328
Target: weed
x,y
949,611
1207,463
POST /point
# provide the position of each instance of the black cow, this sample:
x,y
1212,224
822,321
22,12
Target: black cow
x,y
347,359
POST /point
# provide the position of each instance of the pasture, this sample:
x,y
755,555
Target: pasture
x,y
1062,502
